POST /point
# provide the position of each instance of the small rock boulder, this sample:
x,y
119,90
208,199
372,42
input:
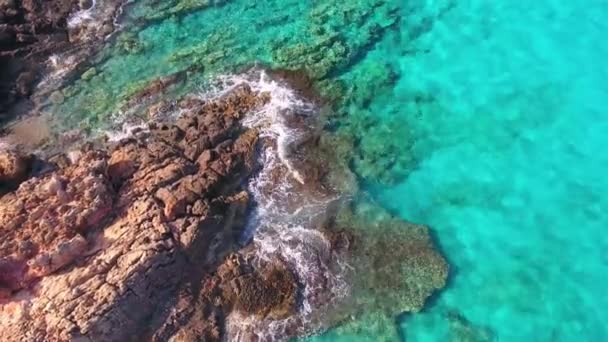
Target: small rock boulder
x,y
14,168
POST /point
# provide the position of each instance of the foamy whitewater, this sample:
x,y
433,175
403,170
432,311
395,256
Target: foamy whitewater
x,y
87,17
82,16
284,221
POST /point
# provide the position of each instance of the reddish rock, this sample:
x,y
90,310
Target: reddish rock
x,y
269,291
14,168
50,213
134,227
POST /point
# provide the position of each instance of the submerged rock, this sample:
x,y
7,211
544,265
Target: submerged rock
x,y
461,329
395,269
327,48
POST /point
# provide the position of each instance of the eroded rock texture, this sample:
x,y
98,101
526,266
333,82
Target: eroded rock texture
x,y
14,168
117,245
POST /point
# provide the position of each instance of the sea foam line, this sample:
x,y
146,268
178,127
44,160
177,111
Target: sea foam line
x,y
275,228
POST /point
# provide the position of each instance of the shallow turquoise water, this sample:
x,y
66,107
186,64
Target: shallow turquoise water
x,y
490,120
511,166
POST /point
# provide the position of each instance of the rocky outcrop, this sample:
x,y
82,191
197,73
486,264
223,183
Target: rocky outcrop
x,y
266,292
137,239
14,168
112,244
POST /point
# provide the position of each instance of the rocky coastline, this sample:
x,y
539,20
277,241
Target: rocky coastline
x,y
157,235
141,238
140,225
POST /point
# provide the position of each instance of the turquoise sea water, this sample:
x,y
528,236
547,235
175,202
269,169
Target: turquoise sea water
x,y
511,164
486,120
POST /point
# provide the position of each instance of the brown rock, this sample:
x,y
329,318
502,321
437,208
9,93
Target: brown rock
x,y
14,168
270,292
134,228
204,159
42,220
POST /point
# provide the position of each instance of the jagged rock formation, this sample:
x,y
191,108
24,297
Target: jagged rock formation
x,y
107,246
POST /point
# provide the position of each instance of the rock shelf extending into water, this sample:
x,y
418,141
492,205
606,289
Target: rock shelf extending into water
x,y
101,247
139,238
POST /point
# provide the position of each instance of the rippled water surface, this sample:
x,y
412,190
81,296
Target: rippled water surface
x,y
486,120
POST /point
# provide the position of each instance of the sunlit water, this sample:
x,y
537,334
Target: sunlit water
x,y
491,119
512,164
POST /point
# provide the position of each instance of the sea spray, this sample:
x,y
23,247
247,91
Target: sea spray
x,y
98,13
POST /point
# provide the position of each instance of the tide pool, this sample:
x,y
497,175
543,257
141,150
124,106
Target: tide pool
x,y
486,120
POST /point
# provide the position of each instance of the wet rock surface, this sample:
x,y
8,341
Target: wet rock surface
x,y
268,291
138,225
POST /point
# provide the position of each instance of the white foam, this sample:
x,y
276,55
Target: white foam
x,y
82,17
271,118
285,220
124,132
59,66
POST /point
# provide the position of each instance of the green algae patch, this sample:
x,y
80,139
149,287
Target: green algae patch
x,y
158,10
128,43
336,34
89,74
